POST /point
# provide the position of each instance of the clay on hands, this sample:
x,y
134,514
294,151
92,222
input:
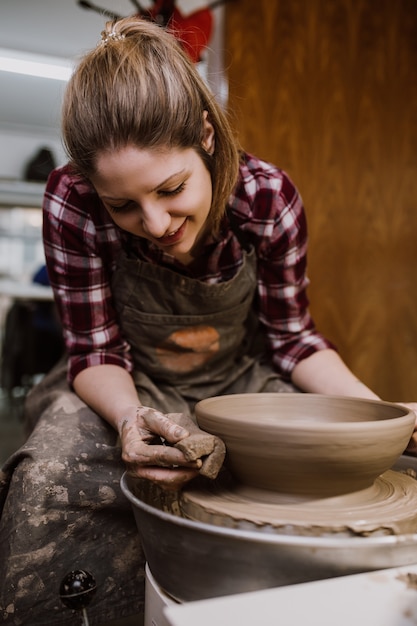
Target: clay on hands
x,y
200,445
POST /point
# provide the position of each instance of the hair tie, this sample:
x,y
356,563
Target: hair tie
x,y
111,36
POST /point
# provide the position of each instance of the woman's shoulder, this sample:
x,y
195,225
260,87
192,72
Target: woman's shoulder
x,y
253,167
70,197
63,181
260,180
257,176
75,214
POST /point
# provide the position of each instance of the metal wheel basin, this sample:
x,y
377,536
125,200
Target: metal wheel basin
x,y
191,560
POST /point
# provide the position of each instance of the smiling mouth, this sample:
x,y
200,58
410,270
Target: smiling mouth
x,y
173,232
173,236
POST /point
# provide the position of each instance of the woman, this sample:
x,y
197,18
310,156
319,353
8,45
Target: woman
x,y
178,264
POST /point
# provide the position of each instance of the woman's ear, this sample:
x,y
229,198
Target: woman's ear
x,y
208,142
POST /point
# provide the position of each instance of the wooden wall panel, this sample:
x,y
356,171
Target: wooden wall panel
x,y
328,91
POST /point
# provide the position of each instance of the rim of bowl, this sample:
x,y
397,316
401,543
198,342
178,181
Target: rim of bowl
x,y
405,415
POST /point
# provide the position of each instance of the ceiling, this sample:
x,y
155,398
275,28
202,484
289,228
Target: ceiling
x,y
59,28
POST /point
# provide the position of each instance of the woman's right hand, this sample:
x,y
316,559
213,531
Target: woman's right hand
x,y
148,440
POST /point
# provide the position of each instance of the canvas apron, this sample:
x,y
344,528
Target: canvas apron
x,y
63,508
189,339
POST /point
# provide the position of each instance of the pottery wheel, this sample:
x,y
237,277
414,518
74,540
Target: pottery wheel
x,y
388,507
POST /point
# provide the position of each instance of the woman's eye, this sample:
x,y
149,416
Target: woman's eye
x,y
121,208
172,192
130,205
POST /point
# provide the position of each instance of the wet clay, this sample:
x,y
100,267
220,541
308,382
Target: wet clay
x,y
307,444
388,507
305,464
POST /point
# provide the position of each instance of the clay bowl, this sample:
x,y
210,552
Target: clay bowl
x,y
307,444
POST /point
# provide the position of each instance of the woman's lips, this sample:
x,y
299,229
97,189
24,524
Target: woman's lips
x,y
173,237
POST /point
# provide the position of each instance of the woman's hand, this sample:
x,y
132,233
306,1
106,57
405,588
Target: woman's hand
x,y
167,449
410,405
412,445
149,440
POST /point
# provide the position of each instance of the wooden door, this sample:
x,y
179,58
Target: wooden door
x,y
327,90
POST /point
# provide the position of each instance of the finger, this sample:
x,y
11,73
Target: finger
x,y
160,424
214,462
168,479
412,446
143,454
196,446
185,421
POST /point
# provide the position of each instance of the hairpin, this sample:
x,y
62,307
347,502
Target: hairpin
x,y
111,36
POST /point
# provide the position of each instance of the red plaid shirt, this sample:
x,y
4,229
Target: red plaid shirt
x,y
82,244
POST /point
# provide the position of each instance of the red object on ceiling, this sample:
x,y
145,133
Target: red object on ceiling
x,y
193,30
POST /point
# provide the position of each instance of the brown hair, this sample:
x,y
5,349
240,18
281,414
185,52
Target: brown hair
x,y
138,87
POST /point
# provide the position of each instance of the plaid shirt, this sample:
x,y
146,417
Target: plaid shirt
x,y
82,244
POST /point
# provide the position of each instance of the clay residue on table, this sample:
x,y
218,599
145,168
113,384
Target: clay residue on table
x,y
409,578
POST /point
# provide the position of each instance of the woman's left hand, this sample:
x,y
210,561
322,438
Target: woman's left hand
x,y
412,445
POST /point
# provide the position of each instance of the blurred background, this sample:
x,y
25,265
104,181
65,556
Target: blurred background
x,y
326,90
57,33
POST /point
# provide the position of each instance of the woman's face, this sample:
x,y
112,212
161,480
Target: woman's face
x,y
162,195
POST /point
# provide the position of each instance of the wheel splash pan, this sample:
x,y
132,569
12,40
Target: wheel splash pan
x,y
192,560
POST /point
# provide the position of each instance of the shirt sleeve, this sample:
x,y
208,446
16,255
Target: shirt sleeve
x,y
282,279
80,255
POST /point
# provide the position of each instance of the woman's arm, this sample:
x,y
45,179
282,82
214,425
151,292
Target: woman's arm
x,y
281,240
81,247
324,372
110,391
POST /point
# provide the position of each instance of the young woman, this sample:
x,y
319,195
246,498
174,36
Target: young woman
x,y
178,264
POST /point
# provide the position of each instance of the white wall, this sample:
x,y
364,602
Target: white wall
x,y
29,108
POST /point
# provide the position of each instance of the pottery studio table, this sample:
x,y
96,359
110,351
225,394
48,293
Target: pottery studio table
x,y
379,598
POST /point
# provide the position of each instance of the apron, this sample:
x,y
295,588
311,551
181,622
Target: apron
x,y
191,340
62,507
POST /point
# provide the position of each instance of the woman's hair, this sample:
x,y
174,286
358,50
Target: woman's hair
x,y
138,87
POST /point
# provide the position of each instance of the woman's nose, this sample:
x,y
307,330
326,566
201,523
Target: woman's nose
x,y
155,220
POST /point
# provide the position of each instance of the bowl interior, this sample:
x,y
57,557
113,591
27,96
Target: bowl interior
x,y
294,411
